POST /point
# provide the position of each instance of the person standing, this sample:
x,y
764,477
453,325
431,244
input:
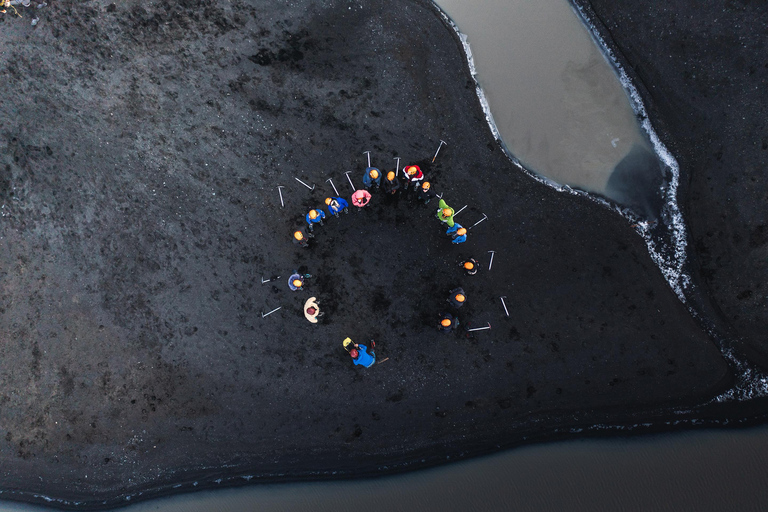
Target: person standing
x,y
426,193
361,355
296,281
470,266
314,217
448,322
457,233
300,239
336,205
457,297
445,213
391,183
360,198
413,176
371,177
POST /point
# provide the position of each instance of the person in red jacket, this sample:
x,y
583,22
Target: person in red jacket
x,y
413,176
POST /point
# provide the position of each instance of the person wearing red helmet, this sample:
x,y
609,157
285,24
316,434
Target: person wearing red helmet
x,y
361,355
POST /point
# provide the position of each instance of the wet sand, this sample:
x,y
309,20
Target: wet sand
x,y
141,214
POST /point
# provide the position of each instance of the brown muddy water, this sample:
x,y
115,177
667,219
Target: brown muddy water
x,y
701,471
557,102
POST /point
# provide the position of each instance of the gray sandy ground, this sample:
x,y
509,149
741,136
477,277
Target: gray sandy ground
x,y
142,144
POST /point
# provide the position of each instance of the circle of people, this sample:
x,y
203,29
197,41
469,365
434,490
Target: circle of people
x,y
372,178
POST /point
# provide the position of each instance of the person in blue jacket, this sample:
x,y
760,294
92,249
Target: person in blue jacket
x,y
336,205
458,233
315,217
361,355
372,176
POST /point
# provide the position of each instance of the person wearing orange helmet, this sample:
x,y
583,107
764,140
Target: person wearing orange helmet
x,y
445,213
426,193
314,217
336,205
413,176
391,183
457,233
300,238
457,297
447,323
371,177
296,281
470,266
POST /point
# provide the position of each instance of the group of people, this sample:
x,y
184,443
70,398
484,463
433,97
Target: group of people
x,y
412,178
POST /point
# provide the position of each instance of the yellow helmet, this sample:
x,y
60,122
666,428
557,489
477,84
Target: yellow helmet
x,y
312,214
298,235
297,283
412,169
426,185
327,200
445,322
390,176
373,174
461,231
447,212
459,297
469,265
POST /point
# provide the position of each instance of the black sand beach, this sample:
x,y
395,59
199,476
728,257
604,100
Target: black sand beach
x,y
142,147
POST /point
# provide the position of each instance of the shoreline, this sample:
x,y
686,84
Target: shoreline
x,y
541,425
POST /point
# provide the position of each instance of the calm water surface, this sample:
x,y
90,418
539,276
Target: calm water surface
x,y
556,100
701,471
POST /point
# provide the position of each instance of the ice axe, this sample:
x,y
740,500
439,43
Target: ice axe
x,y
478,222
282,205
458,212
369,157
503,304
310,188
438,149
480,328
491,263
334,186
350,180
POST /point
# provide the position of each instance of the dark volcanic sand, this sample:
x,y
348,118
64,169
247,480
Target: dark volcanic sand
x,y
141,150
702,70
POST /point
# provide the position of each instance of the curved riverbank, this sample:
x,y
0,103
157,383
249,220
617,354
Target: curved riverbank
x,y
142,215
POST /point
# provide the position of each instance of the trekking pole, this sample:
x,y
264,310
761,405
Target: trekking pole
x,y
334,186
438,149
